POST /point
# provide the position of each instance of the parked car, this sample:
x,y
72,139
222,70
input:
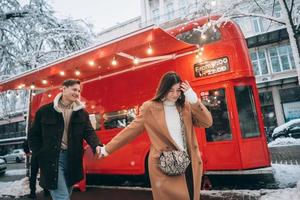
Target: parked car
x,y
289,129
16,155
2,166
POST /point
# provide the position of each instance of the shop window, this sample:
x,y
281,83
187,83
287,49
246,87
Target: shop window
x,y
119,119
247,111
95,121
215,101
290,100
268,111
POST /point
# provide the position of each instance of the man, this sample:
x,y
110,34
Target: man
x,y
56,138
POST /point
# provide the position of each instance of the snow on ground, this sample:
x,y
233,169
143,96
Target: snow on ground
x,y
286,175
16,188
15,172
283,194
284,142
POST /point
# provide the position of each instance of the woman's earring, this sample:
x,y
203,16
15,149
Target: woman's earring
x,y
163,98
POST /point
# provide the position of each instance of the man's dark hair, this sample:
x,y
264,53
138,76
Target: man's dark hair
x,y
71,82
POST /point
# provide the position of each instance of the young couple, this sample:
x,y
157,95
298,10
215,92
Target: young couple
x,y
168,118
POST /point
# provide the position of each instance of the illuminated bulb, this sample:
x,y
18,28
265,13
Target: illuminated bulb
x,y
114,62
136,61
91,63
44,82
77,72
32,86
21,86
203,36
202,49
149,50
62,73
49,95
197,55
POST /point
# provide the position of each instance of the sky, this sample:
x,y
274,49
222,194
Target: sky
x,y
102,13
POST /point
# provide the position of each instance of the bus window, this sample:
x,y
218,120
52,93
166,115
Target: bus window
x,y
215,101
119,119
194,36
246,110
95,121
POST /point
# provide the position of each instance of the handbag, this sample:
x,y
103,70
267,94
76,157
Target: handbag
x,y
175,162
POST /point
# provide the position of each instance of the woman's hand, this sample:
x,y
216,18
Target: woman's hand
x,y
184,86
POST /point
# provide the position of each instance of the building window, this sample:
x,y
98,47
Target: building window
x,y
281,58
170,11
155,16
277,9
259,62
257,25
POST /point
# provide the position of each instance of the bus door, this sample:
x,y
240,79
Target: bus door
x,y
252,141
219,143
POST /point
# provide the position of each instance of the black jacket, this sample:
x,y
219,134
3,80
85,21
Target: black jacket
x,y
45,138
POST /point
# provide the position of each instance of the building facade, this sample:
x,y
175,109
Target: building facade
x,y
269,49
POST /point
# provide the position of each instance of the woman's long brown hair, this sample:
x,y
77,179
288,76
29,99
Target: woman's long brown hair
x,y
165,84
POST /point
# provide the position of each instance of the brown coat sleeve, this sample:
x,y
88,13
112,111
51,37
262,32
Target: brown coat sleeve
x,y
200,115
135,128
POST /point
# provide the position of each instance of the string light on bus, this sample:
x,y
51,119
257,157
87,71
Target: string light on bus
x,y
44,82
149,50
201,48
49,95
21,86
77,72
91,63
114,61
136,61
62,73
203,36
32,86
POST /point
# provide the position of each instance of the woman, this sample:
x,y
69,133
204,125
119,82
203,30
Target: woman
x,y
161,117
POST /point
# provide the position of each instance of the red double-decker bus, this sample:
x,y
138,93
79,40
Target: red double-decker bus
x,y
119,75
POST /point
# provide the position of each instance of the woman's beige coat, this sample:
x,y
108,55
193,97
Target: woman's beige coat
x,y
152,118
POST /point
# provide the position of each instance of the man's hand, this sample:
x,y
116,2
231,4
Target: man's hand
x,y
98,152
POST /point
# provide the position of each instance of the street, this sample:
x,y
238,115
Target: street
x,y
110,189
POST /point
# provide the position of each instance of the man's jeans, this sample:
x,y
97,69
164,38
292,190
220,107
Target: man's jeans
x,y
63,192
